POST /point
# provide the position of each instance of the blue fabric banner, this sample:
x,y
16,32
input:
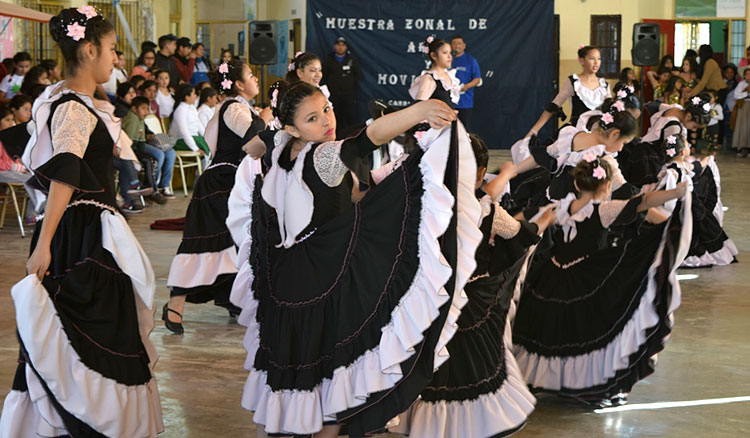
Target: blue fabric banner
x,y
279,69
511,40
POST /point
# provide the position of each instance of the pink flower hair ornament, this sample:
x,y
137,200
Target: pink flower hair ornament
x,y
76,31
696,100
88,11
599,173
581,46
274,98
608,118
226,84
224,68
671,139
619,105
671,152
430,39
631,89
622,94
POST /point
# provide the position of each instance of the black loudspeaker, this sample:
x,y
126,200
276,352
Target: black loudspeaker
x,y
645,44
264,43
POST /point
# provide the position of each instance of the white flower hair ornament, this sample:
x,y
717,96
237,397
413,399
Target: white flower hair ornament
x,y
696,100
707,107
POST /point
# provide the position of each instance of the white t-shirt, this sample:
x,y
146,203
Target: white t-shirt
x,y
165,102
11,85
205,113
186,125
117,77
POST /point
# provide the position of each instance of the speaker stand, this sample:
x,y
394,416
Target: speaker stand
x,y
643,103
262,84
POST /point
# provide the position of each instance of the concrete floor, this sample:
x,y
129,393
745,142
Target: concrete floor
x,y
200,374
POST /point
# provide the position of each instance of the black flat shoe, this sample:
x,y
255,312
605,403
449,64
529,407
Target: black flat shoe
x,y
174,327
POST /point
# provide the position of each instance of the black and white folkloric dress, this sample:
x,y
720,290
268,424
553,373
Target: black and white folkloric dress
x,y
86,363
205,265
349,307
709,244
480,392
448,92
592,317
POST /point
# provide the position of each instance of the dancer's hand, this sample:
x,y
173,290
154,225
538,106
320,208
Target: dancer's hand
x,y
437,113
39,261
681,189
267,115
547,219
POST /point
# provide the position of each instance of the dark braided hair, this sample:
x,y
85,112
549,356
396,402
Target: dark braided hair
x,y
631,100
481,153
300,62
620,119
289,98
96,28
235,68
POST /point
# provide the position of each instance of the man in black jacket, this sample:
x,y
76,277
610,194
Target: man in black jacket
x,y
341,73
165,58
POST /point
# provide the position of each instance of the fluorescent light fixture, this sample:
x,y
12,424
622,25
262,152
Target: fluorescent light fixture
x,y
678,404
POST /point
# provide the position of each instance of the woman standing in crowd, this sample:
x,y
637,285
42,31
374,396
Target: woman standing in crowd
x,y
84,311
741,135
586,91
709,71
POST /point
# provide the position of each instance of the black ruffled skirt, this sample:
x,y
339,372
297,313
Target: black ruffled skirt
x,y
205,265
85,366
349,324
592,328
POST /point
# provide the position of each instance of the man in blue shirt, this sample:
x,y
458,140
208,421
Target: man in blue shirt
x,y
467,71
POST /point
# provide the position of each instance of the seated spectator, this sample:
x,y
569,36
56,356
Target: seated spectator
x,y
134,126
163,94
118,76
20,106
124,98
37,75
202,66
185,124
11,84
54,75
11,168
207,105
144,64
137,81
148,90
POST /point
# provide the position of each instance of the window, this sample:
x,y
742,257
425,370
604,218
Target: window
x,y
605,35
738,41
690,35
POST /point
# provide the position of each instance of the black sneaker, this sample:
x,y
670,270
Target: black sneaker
x,y
157,197
131,208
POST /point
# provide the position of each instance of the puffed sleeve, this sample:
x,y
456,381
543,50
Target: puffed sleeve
x,y
332,160
70,128
619,212
241,120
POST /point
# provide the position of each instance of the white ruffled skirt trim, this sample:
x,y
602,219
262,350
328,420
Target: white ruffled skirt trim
x,y
202,269
597,367
722,257
504,410
109,407
303,412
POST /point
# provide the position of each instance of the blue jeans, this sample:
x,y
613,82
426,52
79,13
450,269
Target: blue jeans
x,y
128,177
164,166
